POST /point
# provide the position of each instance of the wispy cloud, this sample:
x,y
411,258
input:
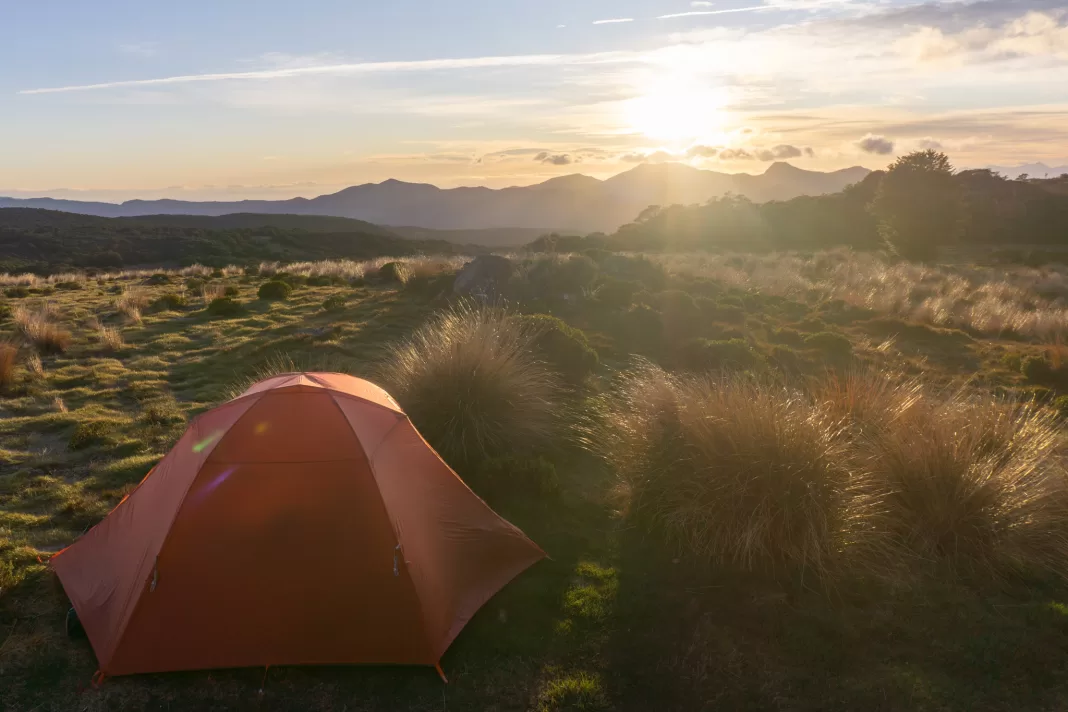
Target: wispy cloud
x,y
694,13
424,65
701,3
613,21
140,49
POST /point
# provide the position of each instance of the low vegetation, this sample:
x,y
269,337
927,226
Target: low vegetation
x,y
761,479
470,383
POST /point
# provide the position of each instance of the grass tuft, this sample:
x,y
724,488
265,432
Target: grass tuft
x,y
734,471
470,383
37,327
8,358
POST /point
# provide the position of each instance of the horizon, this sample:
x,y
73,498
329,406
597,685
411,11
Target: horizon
x,y
209,102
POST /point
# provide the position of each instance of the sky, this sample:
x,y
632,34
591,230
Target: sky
x,y
228,99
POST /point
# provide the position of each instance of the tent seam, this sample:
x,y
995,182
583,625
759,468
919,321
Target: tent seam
x,y
378,490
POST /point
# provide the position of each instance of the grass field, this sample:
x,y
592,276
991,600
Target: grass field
x,y
615,619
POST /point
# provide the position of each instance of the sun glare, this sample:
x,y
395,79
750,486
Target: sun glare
x,y
677,112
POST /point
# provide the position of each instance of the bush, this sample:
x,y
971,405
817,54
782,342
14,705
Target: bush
x,y
640,329
394,272
469,382
320,280
678,313
5,311
732,471
704,355
274,290
231,291
334,302
553,277
225,307
975,484
1060,404
158,278
172,301
563,347
70,286
510,475
834,345
193,284
17,292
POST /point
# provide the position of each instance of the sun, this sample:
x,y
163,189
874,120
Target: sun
x,y
680,112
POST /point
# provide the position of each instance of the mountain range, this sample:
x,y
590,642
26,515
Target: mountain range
x,y
1034,170
572,203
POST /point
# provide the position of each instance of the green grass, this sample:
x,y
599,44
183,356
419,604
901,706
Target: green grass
x,y
611,621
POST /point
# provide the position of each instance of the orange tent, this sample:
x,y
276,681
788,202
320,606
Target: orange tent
x,y
304,522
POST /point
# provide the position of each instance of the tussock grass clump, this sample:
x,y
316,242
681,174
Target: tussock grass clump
x,y
110,338
212,291
8,358
976,484
470,383
37,327
274,290
734,471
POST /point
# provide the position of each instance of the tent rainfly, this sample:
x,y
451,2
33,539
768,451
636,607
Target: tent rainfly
x,y
304,522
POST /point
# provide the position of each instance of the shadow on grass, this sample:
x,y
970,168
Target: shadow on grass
x,y
723,640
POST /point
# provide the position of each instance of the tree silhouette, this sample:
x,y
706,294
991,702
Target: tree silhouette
x,y
918,205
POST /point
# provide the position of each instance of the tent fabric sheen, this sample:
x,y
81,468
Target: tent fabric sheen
x,y
304,522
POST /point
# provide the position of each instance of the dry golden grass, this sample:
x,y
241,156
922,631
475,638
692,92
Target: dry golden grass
x,y
1021,300
212,291
470,383
37,328
735,471
132,303
110,338
9,353
34,366
975,484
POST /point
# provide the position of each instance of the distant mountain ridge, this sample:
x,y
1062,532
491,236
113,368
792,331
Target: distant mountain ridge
x,y
567,203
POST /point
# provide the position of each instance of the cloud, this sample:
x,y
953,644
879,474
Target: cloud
x,y
1034,34
613,21
140,49
660,156
735,154
778,152
423,65
701,3
554,159
809,152
702,152
930,143
878,145
695,13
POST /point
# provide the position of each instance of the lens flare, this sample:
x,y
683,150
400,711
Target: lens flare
x,y
261,428
206,442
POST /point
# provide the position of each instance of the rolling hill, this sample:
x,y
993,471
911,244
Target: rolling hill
x,y
574,203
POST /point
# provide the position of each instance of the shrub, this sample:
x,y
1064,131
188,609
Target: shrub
x,y
1060,404
563,347
5,311
231,291
17,292
320,280
37,328
510,475
640,329
679,314
834,345
158,278
194,285
554,276
170,301
394,272
8,358
334,302
225,307
217,274
733,471
70,285
274,290
470,384
975,485
704,355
